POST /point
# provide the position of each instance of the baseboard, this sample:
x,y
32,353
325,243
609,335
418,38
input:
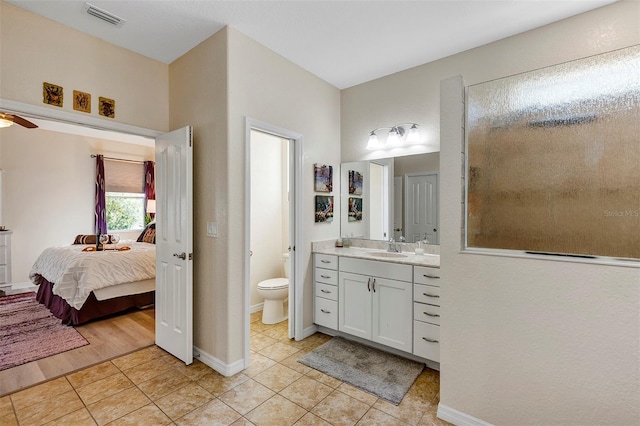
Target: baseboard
x,y
309,331
213,362
256,308
17,288
459,418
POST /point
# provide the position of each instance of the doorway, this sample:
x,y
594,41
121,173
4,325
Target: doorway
x,y
273,158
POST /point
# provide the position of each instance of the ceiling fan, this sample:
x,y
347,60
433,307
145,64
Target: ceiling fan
x,y
7,120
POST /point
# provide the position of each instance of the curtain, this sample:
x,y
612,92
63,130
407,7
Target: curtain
x,y
149,187
101,205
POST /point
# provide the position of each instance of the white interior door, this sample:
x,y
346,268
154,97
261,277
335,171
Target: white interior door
x,y
174,243
421,207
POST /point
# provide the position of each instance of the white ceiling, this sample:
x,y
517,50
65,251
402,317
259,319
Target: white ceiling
x,y
343,42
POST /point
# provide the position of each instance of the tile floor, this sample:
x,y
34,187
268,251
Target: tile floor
x,y
149,387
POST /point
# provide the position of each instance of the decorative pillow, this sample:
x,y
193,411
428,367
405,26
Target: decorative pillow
x,y
87,239
148,235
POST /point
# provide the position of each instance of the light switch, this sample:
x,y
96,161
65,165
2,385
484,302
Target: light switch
x,y
212,229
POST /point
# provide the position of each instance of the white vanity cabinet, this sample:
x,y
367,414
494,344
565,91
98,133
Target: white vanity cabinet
x,y
426,313
375,301
325,285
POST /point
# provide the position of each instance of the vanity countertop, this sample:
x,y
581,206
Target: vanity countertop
x,y
407,257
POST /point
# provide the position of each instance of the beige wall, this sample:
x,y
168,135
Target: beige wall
x,y
34,50
198,97
48,188
524,341
216,87
266,87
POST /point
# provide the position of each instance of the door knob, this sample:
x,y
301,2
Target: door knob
x,y
182,255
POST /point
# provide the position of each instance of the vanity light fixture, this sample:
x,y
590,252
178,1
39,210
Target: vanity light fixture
x,y
395,137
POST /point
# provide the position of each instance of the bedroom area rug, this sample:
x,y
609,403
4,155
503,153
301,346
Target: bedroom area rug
x,y
380,373
29,332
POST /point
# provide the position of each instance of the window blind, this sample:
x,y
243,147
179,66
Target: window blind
x,y
123,176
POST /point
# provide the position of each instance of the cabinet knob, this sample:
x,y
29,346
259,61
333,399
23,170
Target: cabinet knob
x,y
430,276
430,340
325,276
324,311
431,315
325,291
431,295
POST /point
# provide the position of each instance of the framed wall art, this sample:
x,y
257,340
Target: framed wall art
x,y
355,182
52,94
324,208
107,107
322,178
81,101
355,209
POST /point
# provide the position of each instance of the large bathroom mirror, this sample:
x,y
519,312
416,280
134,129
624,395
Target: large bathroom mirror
x,y
394,197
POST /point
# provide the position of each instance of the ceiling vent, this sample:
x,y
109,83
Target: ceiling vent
x,y
104,15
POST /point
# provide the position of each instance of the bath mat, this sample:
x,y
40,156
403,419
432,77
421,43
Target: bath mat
x,y
380,373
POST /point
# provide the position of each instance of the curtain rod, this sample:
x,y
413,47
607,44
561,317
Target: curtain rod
x,y
119,159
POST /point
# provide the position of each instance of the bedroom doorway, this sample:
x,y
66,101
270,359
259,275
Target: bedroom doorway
x,y
273,291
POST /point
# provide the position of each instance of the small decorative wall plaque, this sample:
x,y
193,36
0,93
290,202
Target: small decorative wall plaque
x,y
324,208
107,107
52,94
81,101
323,178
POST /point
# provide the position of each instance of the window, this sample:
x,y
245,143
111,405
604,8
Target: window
x,y
124,183
553,159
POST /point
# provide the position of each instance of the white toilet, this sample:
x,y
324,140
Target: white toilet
x,y
275,291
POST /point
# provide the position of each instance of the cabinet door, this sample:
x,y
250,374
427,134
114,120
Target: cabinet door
x,y
392,315
355,304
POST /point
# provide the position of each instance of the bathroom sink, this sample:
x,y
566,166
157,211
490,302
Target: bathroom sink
x,y
387,254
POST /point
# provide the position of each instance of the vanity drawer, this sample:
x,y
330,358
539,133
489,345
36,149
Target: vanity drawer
x,y
326,276
426,313
429,294
426,340
327,261
3,255
426,275
326,313
3,274
327,291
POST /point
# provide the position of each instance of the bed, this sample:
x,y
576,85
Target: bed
x,y
78,284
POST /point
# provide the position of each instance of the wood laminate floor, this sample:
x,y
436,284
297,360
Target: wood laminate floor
x,y
108,338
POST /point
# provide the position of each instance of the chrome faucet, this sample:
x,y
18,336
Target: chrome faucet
x,y
396,247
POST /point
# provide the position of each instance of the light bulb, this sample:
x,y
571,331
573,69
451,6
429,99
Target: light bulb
x,y
414,134
373,142
5,123
394,137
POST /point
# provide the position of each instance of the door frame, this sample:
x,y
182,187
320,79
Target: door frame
x,y
297,155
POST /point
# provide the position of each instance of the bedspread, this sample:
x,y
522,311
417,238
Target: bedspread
x,y
76,273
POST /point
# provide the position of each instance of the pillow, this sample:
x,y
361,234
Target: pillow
x,y
148,235
88,239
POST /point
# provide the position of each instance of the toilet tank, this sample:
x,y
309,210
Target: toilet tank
x,y
287,264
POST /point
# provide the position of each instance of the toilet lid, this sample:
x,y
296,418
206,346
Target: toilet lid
x,y
274,283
